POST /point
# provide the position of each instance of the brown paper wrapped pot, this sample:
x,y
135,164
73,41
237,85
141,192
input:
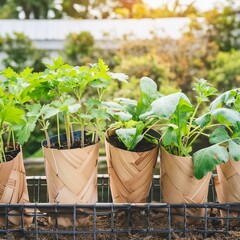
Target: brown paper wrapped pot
x,y
71,178
227,185
13,189
130,173
178,184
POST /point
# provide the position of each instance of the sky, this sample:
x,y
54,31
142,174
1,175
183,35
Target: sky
x,y
202,5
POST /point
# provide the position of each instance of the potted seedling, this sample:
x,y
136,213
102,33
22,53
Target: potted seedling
x,y
71,156
132,145
228,173
183,167
13,133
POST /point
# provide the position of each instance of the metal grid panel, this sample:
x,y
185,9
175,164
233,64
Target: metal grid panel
x,y
118,221
105,220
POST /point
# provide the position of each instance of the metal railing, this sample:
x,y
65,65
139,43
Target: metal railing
x,y
106,220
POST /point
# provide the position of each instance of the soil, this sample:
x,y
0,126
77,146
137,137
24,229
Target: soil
x,y
122,226
12,152
142,146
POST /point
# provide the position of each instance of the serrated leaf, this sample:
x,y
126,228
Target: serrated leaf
x,y
206,159
90,103
218,135
47,111
234,150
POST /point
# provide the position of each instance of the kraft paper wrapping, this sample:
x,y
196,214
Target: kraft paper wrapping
x,y
227,185
130,173
13,190
71,178
178,184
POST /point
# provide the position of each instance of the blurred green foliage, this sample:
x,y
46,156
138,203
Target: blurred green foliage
x,y
20,52
78,48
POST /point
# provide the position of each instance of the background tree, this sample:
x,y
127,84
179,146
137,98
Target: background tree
x,y
87,9
21,53
223,28
79,47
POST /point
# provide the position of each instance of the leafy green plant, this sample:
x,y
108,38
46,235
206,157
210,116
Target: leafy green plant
x,y
65,89
182,127
14,129
129,124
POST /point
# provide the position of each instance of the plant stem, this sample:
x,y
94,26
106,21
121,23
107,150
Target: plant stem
x,y
190,123
58,131
9,136
3,157
72,133
82,135
67,130
13,140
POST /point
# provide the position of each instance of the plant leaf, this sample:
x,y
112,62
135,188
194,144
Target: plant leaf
x,y
148,90
218,135
124,117
206,159
119,76
169,137
234,150
165,106
228,98
129,137
226,116
203,120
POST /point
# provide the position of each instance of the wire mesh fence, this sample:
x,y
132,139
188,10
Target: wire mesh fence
x,y
106,220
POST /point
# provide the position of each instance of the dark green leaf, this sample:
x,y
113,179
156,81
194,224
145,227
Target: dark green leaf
x,y
206,159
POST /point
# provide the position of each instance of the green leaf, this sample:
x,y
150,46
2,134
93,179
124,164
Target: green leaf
x,y
126,102
165,106
170,137
148,90
219,135
13,115
99,114
124,117
47,111
228,98
128,137
119,76
226,116
74,108
234,150
206,159
203,120
90,103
